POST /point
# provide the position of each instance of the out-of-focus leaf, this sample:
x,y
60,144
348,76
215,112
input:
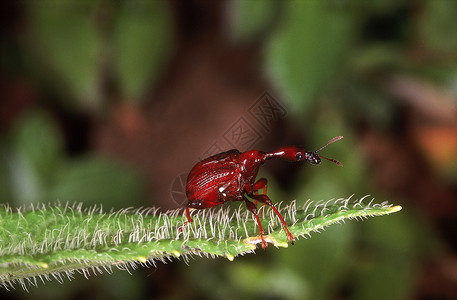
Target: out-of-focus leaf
x,y
361,101
142,42
452,172
39,143
94,181
64,34
382,6
57,290
378,57
272,281
395,246
307,49
327,179
5,193
439,27
34,157
25,184
384,279
322,260
250,18
122,285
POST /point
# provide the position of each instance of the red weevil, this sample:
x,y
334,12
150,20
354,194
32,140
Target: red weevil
x,y
230,176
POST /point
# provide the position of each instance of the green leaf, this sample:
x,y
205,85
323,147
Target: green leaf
x,y
142,42
55,241
307,49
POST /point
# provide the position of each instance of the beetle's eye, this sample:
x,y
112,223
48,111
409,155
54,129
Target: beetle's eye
x,y
298,156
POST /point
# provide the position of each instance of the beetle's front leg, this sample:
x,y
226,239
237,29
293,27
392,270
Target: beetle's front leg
x,y
260,184
252,207
189,220
266,200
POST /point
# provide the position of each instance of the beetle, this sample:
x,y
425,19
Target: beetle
x,y
231,176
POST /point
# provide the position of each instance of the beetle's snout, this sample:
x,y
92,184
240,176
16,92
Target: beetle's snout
x,y
313,158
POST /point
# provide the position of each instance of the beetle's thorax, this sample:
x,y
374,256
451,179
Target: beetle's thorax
x,y
250,161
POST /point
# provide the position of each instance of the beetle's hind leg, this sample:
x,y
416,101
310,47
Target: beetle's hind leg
x,y
264,199
253,208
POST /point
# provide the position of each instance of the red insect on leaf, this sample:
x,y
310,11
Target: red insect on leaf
x,y
231,176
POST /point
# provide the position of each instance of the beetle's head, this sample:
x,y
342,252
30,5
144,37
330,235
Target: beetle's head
x,y
315,159
293,153
312,158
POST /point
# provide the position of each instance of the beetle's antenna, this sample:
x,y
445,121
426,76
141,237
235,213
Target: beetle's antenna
x,y
337,138
332,160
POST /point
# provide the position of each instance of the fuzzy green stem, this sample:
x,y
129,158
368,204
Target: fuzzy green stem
x,y
55,241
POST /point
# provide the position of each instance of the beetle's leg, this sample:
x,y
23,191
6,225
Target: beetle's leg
x,y
189,220
252,207
266,200
260,184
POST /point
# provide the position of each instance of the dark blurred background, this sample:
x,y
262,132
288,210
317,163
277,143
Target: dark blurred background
x,y
112,102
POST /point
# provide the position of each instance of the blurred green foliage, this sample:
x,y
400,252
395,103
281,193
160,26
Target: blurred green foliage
x,y
86,45
307,48
36,169
63,32
251,19
142,44
439,26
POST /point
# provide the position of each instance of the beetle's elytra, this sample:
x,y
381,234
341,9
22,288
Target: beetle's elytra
x,y
231,176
